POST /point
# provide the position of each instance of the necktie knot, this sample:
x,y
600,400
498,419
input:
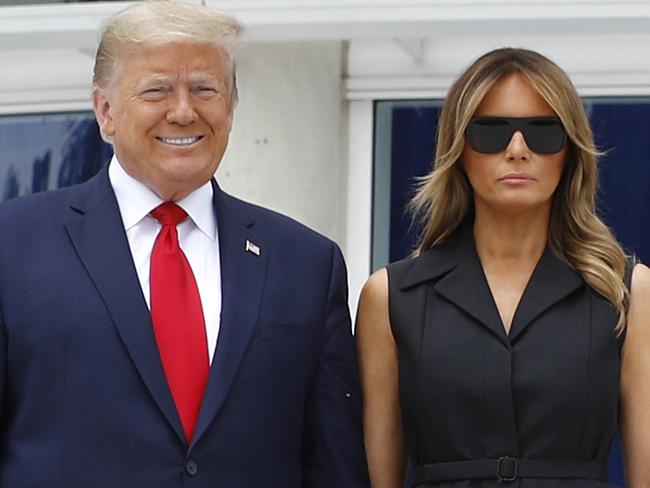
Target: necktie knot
x,y
169,213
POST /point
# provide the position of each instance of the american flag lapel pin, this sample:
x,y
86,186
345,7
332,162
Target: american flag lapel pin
x,y
252,248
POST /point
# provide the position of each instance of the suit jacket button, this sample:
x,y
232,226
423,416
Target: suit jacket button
x,y
191,467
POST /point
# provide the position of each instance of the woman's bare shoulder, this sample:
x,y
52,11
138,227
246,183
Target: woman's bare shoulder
x,y
641,278
376,287
373,305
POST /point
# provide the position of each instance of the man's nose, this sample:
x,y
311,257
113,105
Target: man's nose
x,y
182,110
517,149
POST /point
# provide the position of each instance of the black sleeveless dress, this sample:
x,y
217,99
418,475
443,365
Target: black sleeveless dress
x,y
535,408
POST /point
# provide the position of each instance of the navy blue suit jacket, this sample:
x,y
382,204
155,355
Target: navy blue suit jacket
x,y
84,400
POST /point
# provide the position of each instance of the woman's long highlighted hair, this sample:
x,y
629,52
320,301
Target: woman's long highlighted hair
x,y
444,197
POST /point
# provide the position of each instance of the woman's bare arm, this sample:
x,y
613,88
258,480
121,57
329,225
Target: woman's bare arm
x,y
379,383
635,383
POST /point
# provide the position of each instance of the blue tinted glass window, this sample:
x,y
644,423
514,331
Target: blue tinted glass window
x,y
47,151
405,142
621,127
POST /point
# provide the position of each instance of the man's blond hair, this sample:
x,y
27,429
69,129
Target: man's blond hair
x,y
158,22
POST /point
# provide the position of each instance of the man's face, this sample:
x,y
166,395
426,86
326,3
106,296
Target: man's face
x,y
168,111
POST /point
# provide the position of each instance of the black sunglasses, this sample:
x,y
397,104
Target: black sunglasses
x,y
489,134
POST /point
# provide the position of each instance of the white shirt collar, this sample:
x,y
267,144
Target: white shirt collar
x,y
136,201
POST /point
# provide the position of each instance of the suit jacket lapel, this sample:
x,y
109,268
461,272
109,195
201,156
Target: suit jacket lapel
x,y
97,233
465,284
551,281
461,279
467,287
243,275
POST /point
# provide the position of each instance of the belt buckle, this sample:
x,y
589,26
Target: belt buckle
x,y
507,468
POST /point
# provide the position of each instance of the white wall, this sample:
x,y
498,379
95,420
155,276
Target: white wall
x,y
285,150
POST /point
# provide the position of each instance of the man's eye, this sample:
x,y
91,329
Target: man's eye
x,y
153,93
206,90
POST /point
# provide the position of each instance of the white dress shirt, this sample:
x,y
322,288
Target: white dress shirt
x,y
197,236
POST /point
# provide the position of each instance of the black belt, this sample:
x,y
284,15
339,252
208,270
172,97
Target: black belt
x,y
507,469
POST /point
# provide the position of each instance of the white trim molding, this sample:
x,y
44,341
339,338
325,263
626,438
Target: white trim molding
x,y
359,197
75,25
599,65
359,19
398,49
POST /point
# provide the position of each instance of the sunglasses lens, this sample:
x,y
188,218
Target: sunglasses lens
x,y
489,135
545,135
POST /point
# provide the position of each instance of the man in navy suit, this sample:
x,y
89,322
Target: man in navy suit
x,y
155,331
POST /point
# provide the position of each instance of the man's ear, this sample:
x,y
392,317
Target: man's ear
x,y
102,108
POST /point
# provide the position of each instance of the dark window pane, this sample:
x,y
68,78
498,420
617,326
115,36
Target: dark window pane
x,y
43,152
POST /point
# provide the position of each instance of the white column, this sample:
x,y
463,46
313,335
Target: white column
x,y
359,197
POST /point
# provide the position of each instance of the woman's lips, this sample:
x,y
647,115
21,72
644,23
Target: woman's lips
x,y
516,179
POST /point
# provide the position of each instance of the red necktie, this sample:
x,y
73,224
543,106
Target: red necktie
x,y
177,318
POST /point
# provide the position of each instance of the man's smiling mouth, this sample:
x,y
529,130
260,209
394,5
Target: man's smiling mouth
x,y
180,141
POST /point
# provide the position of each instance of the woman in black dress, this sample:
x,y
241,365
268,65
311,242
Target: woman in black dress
x,y
508,348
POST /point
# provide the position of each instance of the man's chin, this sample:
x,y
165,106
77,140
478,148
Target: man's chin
x,y
175,187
